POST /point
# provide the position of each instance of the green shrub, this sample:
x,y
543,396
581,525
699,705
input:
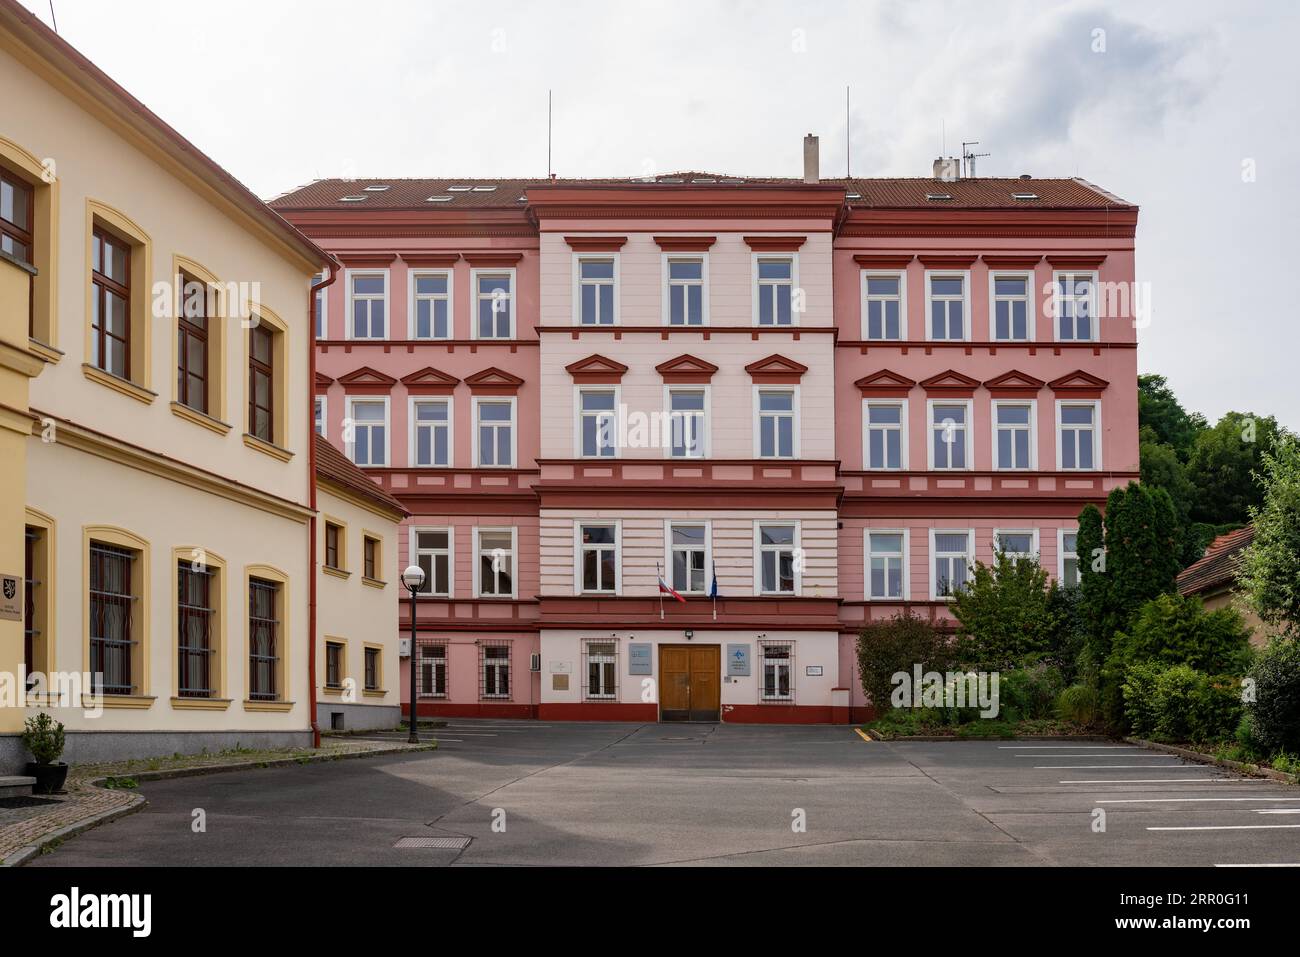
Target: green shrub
x,y
44,738
897,644
1275,712
1139,697
1079,704
1006,614
1216,709
1181,703
1245,736
1175,689
1177,630
1029,692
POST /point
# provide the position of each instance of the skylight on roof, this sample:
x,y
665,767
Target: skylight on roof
x,y
377,188
439,199
522,199
733,182
1024,195
704,179
938,195
459,189
352,199
852,195
671,179
484,189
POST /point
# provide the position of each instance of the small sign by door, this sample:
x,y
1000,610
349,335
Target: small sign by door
x,y
737,661
11,597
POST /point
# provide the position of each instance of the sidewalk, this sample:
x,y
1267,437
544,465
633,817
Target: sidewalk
x,y
25,831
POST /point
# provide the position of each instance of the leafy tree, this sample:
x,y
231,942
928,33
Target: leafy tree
x,y
1006,614
1160,411
1161,468
1177,630
1275,711
1093,607
1270,568
1222,465
895,644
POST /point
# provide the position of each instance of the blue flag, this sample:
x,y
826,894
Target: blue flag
x,y
713,588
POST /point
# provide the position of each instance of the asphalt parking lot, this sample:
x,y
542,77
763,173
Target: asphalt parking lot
x,y
528,793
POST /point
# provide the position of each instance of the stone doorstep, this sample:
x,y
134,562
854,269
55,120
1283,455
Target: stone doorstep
x,y
16,785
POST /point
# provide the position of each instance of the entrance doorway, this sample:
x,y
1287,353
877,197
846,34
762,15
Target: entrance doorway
x,y
690,682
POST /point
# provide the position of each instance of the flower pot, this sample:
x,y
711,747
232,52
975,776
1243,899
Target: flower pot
x,y
49,777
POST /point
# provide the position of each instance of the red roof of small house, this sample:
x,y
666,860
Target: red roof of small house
x,y
1219,564
335,467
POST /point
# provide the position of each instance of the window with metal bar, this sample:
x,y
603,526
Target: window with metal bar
x,y
111,618
31,634
372,669
263,640
110,306
194,636
601,671
494,669
777,663
192,344
333,664
433,671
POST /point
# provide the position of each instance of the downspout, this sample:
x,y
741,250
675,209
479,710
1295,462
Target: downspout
x,y
311,500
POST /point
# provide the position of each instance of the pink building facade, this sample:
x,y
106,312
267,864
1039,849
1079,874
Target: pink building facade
x,y
668,445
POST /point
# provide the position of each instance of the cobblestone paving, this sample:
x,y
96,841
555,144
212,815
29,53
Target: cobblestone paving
x,y
23,827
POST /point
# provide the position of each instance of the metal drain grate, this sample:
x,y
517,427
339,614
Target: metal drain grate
x,y
23,800
451,843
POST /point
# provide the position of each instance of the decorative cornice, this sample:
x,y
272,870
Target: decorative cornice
x,y
367,381
881,261
776,369
1013,384
366,260
422,259
1077,262
775,244
596,369
323,381
685,244
886,384
493,260
493,381
947,262
686,369
429,381
596,244
1080,384
950,383
1011,262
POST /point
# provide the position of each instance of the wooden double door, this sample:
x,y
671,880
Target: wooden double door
x,y
690,682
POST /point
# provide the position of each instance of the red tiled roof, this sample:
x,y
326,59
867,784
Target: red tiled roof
x,y
1219,564
333,466
862,193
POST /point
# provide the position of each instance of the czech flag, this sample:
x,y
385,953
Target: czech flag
x,y
664,589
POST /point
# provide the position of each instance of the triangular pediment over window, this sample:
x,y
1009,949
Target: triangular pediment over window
x,y
951,382
366,379
596,368
494,380
885,382
429,381
776,368
686,368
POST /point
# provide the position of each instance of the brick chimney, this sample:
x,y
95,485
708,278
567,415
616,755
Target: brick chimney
x,y
811,161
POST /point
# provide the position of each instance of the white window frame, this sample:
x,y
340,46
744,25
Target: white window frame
x,y
866,563
578,260
793,257
485,272
758,432
667,306
322,313
348,276
669,549
1095,324
351,404
412,423
1031,304
413,557
1033,433
965,307
486,663
786,663
578,416
588,659
933,557
1062,554
579,552
422,273
1096,434
930,424
446,670
513,401
866,428
1035,552
323,401
759,549
705,427
901,276
476,532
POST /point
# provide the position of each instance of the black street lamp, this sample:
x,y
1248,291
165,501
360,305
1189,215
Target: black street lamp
x,y
413,579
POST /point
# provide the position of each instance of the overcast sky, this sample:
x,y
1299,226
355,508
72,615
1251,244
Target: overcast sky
x,y
1184,96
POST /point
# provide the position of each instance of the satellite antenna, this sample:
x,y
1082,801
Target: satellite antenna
x,y
548,134
848,136
968,158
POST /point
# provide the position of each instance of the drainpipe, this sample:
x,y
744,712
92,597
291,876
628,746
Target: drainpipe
x,y
311,520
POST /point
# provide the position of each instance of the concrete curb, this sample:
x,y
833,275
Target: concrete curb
x,y
876,736
138,802
1201,758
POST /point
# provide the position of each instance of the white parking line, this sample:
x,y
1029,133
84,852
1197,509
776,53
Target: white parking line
x,y
1188,800
1228,827
1278,810
1064,756
1257,865
1163,781
1106,767
1067,747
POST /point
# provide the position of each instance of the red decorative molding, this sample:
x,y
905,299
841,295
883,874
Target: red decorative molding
x,y
686,368
947,262
775,244
1076,262
777,369
596,244
323,381
885,384
685,244
1011,262
493,260
951,383
367,381
493,381
596,368
367,260
1013,384
882,262
429,381
1079,383
426,260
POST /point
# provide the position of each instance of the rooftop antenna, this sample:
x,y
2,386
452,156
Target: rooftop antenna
x,y
53,21
968,158
548,134
848,136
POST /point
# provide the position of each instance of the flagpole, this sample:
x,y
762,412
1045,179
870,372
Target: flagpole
x,y
714,590
659,578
